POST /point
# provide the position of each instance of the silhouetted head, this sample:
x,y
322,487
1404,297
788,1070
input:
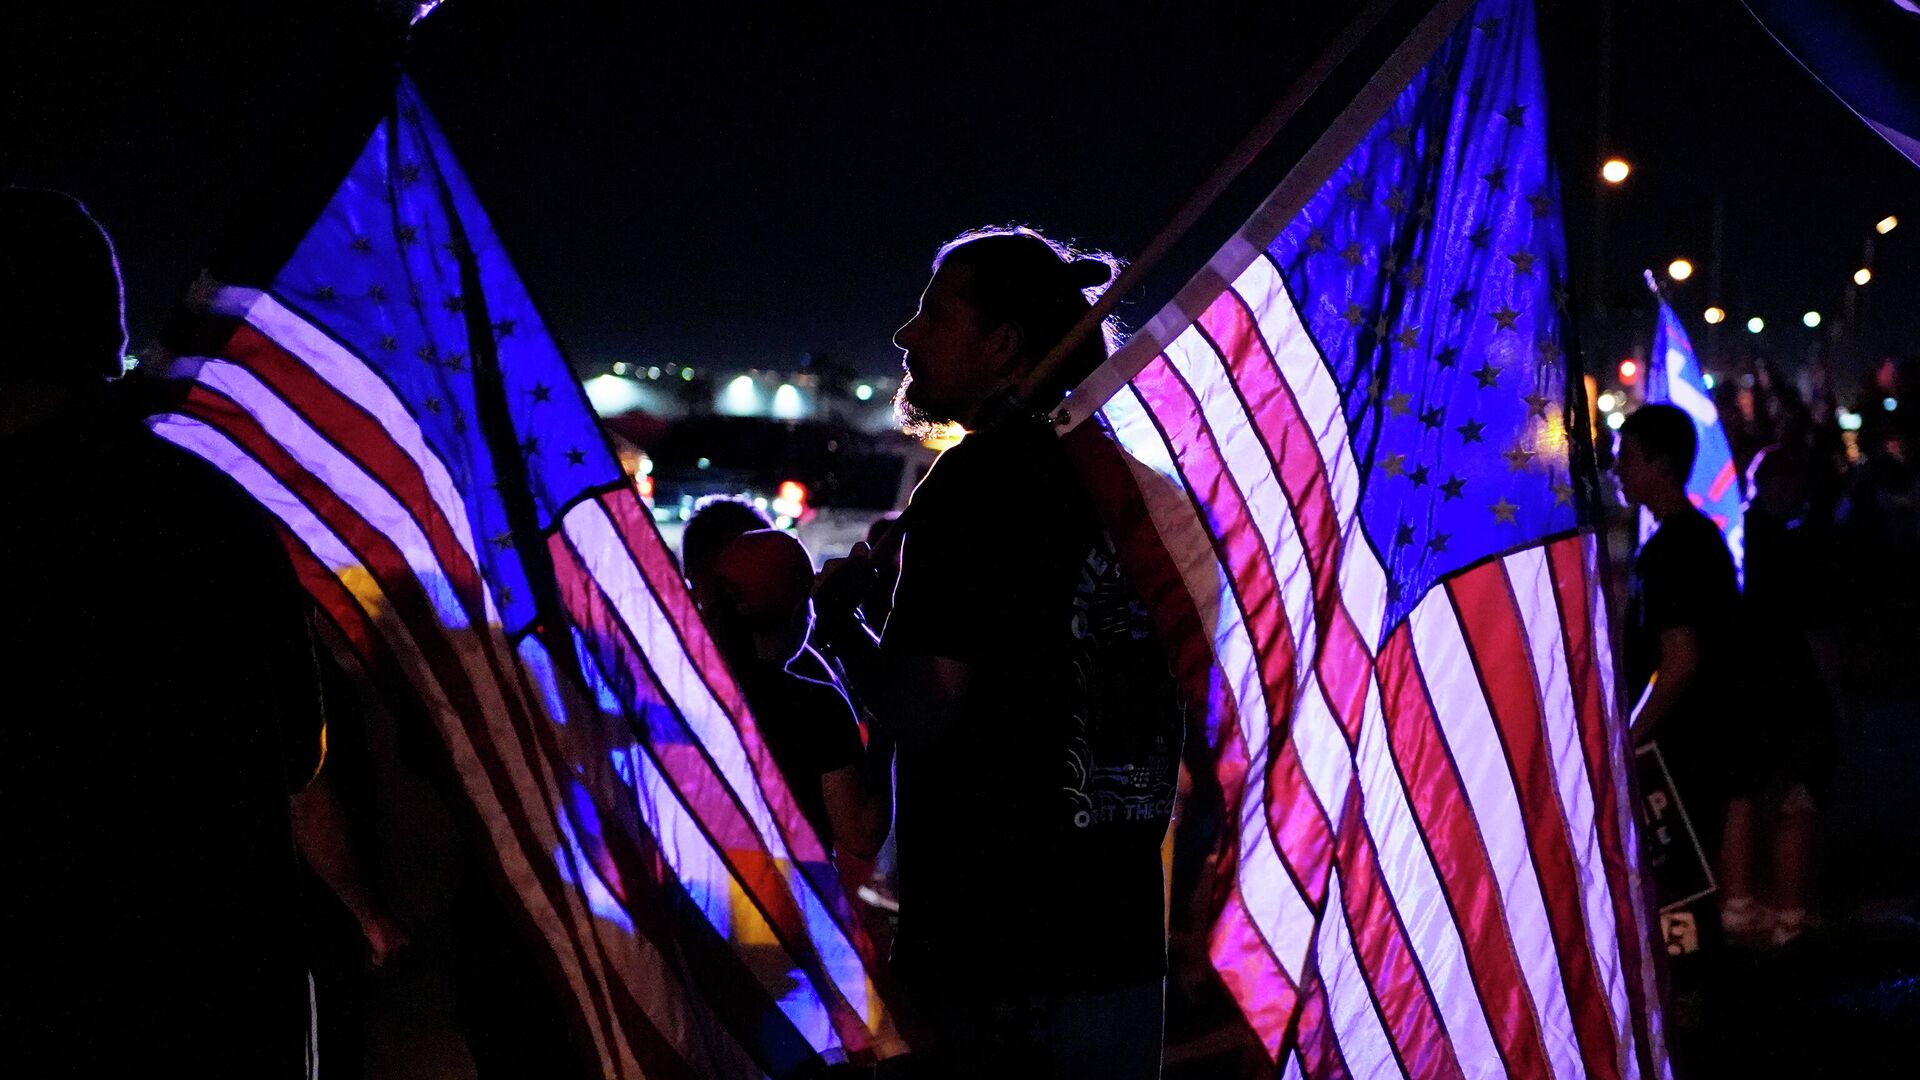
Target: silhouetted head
x,y
762,586
1657,445
715,522
999,301
61,315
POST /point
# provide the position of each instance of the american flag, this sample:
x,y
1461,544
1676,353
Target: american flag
x,y
1674,377
1345,471
394,399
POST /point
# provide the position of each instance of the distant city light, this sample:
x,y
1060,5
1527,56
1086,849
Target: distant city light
x,y
703,463
619,367
1629,370
1886,225
1616,170
1811,319
1614,420
1849,420
1715,315
687,374
1756,324
653,373
786,403
1679,269
864,392
1607,402
741,397
1862,276
1707,377
1889,404
611,395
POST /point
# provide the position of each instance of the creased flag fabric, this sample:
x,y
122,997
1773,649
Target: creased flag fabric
x,y
1674,377
1863,52
394,399
1343,472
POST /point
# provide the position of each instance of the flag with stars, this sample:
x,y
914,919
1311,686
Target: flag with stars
x,y
1346,469
394,399
1674,377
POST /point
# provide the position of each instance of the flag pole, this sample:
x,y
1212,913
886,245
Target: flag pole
x,y
1301,181
1203,197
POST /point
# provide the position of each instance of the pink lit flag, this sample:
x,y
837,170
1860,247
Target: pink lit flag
x,y
1348,470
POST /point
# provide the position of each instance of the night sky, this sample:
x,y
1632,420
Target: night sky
x,y
735,186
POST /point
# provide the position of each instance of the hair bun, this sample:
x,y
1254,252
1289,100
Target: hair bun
x,y
1088,273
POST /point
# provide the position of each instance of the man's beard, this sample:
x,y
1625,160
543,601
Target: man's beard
x,y
918,423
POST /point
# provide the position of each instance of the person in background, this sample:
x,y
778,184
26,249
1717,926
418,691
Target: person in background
x,y
165,703
1777,800
758,605
716,521
1039,724
1681,630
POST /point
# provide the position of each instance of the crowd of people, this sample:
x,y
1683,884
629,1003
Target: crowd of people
x,y
970,707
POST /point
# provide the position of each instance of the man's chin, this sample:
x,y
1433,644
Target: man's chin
x,y
915,419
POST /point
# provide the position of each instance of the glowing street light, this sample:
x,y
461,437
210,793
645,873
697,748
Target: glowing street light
x,y
1886,225
1756,324
1679,269
1616,170
1715,316
1607,402
1811,319
1862,276
1629,371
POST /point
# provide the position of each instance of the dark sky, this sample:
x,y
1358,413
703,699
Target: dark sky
x,y
745,183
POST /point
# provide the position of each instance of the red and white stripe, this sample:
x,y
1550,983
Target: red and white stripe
x,y
378,530
1436,872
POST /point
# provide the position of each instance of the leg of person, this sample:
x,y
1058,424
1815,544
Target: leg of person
x,y
1115,1035
1740,913
1793,841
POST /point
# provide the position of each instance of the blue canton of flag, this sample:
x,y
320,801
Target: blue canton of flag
x,y
1674,377
1429,271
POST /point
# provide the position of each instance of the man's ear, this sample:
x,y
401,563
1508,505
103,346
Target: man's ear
x,y
1005,345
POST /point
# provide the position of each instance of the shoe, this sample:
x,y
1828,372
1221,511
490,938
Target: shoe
x,y
1790,924
1742,916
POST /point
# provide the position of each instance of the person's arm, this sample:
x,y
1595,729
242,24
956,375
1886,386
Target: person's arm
x,y
912,696
1679,660
320,828
859,799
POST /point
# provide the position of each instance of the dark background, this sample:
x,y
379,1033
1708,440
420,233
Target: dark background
x,y
736,185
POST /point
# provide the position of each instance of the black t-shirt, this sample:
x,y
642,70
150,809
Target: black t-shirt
x,y
809,728
1029,837
162,701
1684,577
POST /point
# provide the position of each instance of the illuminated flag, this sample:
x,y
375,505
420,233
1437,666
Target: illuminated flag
x,y
1347,470
1862,51
1674,377
394,399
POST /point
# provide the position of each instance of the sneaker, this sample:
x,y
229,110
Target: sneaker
x,y
1790,924
1742,916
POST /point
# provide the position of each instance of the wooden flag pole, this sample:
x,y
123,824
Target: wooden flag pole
x,y
1301,181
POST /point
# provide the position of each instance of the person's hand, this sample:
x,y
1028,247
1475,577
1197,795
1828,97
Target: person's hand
x,y
842,583
386,937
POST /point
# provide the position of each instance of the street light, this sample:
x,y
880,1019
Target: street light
x,y
1756,324
1679,269
1616,170
1884,226
1862,276
1811,319
1715,316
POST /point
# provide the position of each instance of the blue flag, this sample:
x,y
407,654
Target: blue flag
x,y
1674,377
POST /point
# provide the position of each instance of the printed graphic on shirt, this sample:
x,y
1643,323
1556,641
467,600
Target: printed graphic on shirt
x,y
1122,756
